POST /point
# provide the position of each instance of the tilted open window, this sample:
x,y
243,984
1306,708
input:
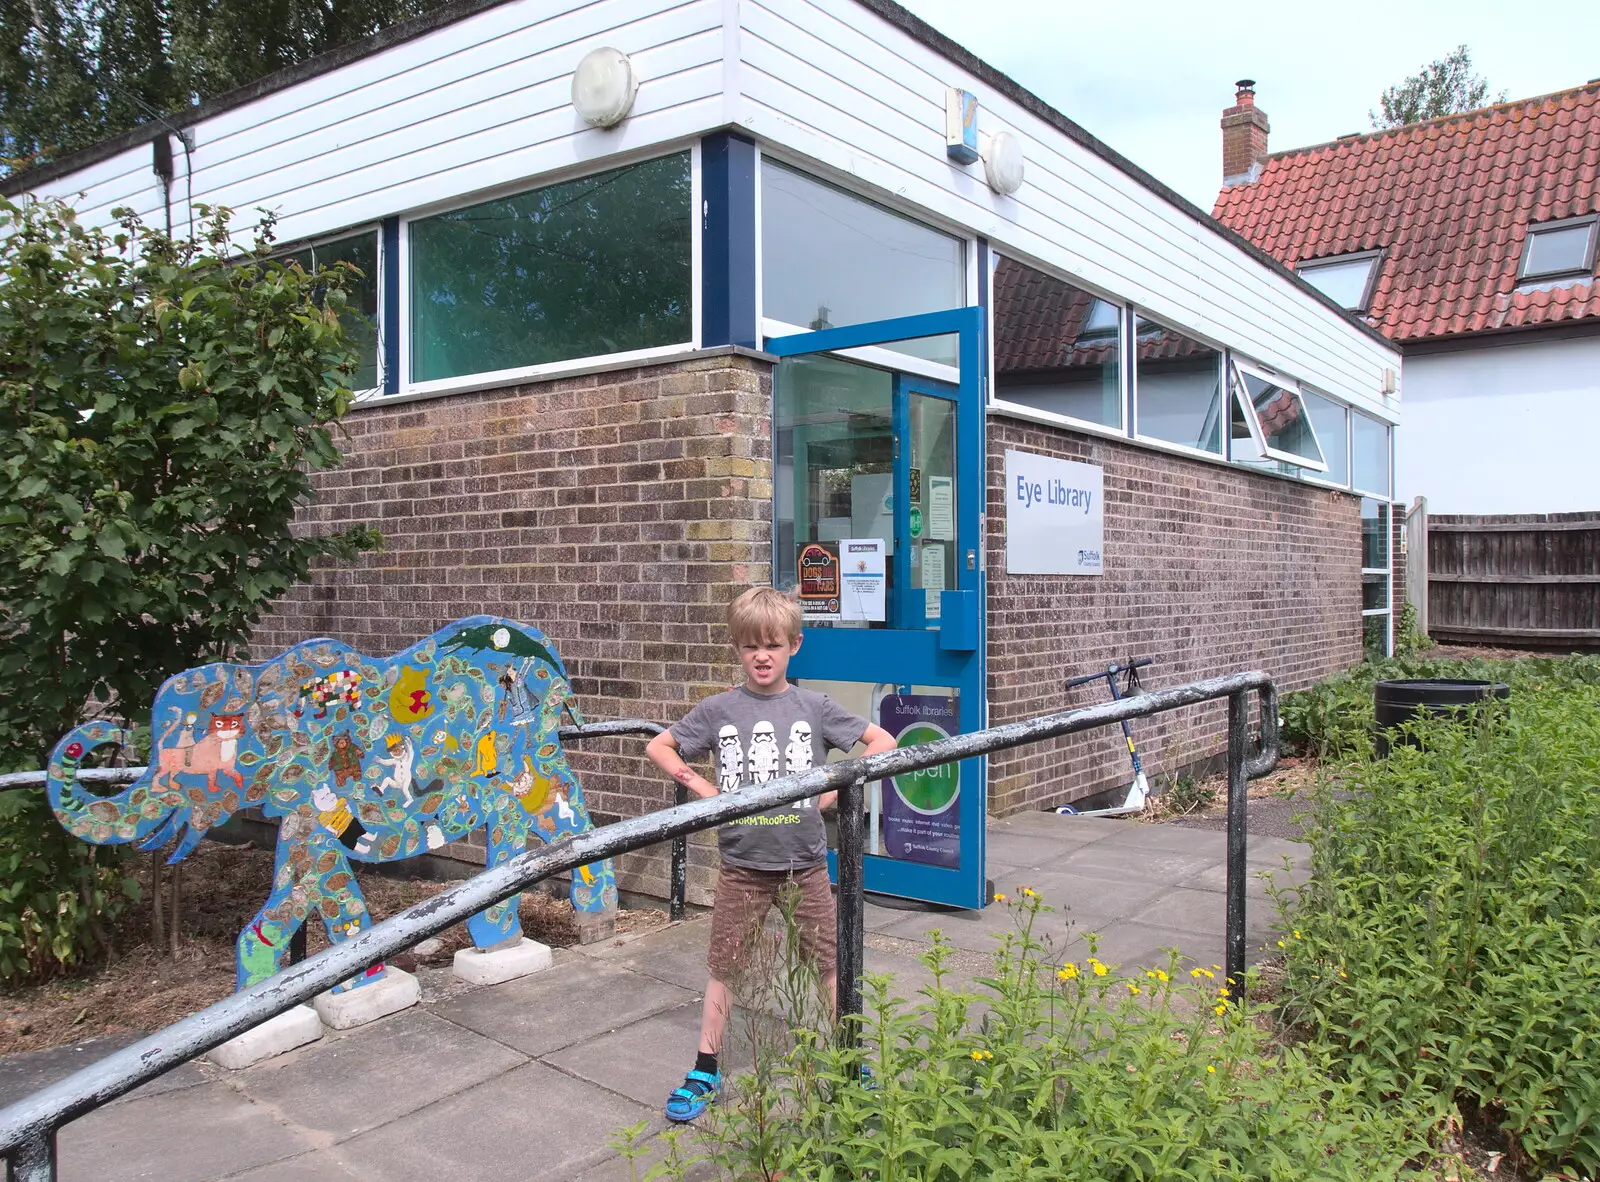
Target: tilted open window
x,y
1560,249
1270,418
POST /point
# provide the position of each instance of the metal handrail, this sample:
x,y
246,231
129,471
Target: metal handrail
x,y
28,1127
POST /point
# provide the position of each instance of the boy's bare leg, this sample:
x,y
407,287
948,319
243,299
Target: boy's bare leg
x,y
714,1016
830,986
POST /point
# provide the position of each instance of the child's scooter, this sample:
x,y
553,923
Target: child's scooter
x,y
1138,791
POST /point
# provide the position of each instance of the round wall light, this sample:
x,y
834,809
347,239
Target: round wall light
x,y
1002,163
603,87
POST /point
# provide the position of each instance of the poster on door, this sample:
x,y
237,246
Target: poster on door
x,y
818,565
921,822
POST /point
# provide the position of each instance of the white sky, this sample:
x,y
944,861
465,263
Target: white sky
x,y
1151,80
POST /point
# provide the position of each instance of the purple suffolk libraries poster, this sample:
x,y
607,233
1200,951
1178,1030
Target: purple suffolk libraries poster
x,y
921,820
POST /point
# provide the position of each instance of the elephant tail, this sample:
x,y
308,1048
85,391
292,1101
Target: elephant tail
x,y
112,819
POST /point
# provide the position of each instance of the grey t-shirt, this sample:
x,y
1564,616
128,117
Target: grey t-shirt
x,y
760,737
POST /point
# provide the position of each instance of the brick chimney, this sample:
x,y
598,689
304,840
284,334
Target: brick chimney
x,y
1244,137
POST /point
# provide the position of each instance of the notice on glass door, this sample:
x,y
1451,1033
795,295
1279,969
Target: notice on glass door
x,y
862,579
933,576
942,508
818,564
921,822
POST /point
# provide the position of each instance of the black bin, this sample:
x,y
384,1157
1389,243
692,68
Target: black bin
x,y
1397,702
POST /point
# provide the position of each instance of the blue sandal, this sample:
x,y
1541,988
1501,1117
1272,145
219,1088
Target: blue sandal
x,y
694,1097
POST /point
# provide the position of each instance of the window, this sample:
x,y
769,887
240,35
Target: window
x,y
1270,422
1348,280
830,258
1177,387
1376,581
1369,455
1558,249
1057,348
360,318
1332,422
583,268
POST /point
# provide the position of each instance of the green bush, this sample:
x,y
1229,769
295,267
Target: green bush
x,y
1334,718
1050,1071
1449,938
57,894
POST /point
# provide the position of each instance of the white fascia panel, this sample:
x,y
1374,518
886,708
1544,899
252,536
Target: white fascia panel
x,y
818,75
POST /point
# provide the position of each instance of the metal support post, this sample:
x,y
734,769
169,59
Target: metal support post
x,y
297,943
1238,799
852,906
34,1160
680,864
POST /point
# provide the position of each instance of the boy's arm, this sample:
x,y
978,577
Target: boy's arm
x,y
878,741
663,752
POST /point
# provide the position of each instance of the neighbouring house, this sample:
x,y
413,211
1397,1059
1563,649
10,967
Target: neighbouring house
x,y
670,298
1469,241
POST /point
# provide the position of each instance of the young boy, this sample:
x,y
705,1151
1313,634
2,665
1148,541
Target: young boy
x,y
761,731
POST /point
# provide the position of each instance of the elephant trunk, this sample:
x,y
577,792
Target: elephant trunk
x,y
133,814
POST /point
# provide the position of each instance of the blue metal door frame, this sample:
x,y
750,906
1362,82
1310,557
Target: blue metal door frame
x,y
910,653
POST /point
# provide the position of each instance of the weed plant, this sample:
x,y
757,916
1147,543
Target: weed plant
x,y
1048,1069
1449,938
1334,719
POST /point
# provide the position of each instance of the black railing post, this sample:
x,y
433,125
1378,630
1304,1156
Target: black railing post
x,y
680,863
852,906
297,943
34,1160
1238,822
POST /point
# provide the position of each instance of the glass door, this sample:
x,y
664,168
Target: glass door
x,y
878,486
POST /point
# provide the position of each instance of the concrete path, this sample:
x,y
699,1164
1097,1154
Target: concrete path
x,y
533,1079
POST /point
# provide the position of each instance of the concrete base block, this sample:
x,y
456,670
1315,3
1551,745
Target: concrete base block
x,y
595,926
490,968
397,990
290,1029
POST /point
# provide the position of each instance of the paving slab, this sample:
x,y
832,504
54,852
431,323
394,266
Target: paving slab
x,y
675,954
369,1076
1076,830
532,1124
575,1000
1010,854
320,1165
1146,838
647,1059
1125,862
189,1135
22,1075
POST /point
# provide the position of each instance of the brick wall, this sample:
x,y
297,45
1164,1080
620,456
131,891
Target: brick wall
x,y
619,512
1208,570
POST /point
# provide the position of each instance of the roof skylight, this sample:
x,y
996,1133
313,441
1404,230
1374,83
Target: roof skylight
x,y
1347,279
1561,248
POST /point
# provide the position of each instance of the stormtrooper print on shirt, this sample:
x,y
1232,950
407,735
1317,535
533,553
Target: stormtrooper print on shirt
x,y
761,737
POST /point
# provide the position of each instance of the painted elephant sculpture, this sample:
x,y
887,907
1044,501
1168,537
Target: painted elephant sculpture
x,y
371,759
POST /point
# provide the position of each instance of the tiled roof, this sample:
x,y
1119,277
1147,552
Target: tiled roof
x,y
1448,201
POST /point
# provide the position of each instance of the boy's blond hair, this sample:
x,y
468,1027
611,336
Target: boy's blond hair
x,y
762,615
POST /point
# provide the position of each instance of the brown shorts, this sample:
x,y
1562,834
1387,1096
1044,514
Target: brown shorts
x,y
743,898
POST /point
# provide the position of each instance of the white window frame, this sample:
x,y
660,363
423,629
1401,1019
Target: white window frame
x,y
1223,394
1389,434
1585,268
1324,480
1122,430
1387,610
1237,368
464,383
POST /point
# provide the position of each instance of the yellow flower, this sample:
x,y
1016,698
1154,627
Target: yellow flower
x,y
1132,988
999,898
980,1056
1161,975
1099,969
1196,973
1211,1069
1220,1009
1029,892
1297,935
1067,971
1281,944
1224,992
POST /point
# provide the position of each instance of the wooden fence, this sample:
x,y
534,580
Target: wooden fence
x,y
1529,580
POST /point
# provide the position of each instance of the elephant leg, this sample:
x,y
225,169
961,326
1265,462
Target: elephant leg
x,y
262,945
338,900
501,925
594,887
